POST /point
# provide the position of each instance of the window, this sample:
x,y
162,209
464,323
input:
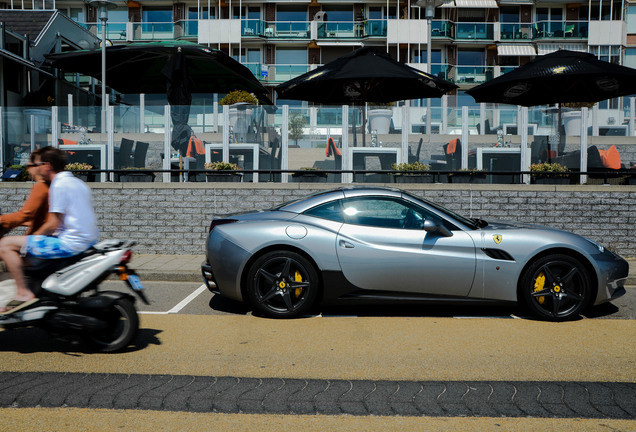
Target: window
x,y
251,12
509,14
156,14
287,56
202,13
338,13
381,212
330,211
291,13
471,58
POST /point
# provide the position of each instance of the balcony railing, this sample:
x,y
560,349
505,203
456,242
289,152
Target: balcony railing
x,y
287,29
442,29
515,31
474,31
560,30
473,74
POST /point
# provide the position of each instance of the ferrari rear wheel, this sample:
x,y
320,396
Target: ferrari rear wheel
x,y
556,288
282,284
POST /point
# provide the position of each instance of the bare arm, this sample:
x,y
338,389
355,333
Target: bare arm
x,y
53,222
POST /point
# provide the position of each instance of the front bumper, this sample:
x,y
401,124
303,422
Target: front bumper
x,y
614,271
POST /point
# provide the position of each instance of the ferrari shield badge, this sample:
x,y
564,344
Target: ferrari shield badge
x,y
497,238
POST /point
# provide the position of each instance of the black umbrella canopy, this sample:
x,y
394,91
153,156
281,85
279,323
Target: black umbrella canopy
x,y
559,77
142,68
365,75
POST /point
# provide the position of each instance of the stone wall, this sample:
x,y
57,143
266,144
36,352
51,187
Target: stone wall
x,y
174,218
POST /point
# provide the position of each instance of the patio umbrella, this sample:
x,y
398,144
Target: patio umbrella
x,y
561,76
365,75
177,68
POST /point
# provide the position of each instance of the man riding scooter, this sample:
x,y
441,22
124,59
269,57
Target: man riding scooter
x,y
70,229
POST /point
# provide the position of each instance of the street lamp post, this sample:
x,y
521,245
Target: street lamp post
x,y
429,6
103,6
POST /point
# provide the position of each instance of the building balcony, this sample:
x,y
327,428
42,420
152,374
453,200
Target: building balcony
x,y
515,31
442,29
475,31
560,30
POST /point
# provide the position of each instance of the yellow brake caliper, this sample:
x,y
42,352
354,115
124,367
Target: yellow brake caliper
x,y
539,282
298,278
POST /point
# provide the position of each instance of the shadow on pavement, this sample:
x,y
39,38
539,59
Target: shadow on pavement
x,y
222,304
34,340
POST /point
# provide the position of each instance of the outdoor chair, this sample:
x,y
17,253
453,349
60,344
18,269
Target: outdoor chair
x,y
139,158
414,157
569,30
124,158
453,152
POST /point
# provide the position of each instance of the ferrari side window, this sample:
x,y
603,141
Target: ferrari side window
x,y
330,211
379,212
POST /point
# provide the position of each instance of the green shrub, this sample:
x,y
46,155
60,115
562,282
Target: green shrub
x,y
237,96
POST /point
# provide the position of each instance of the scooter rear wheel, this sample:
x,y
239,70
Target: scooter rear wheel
x,y
123,323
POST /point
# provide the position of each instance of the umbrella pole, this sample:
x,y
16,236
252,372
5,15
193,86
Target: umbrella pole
x,y
561,137
364,126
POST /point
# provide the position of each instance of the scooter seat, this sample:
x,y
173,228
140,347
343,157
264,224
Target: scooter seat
x,y
43,267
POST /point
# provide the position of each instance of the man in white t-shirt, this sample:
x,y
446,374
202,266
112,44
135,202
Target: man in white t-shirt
x,y
70,229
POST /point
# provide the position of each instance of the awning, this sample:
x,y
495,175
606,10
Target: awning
x,y
550,48
516,50
491,4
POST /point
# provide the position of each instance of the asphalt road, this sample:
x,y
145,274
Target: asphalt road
x,y
202,362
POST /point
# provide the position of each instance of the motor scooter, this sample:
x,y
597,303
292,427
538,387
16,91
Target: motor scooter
x,y
71,304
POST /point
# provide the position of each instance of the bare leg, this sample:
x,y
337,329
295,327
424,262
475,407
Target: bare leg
x,y
10,253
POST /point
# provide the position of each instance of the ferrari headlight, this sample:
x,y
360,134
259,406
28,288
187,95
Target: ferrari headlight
x,y
600,247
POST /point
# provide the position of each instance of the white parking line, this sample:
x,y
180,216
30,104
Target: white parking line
x,y
183,303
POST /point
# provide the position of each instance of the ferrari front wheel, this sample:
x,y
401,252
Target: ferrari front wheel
x,y
282,284
556,288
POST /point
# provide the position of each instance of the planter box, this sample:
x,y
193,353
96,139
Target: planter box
x,y
85,177
137,177
224,177
413,178
467,178
309,178
550,180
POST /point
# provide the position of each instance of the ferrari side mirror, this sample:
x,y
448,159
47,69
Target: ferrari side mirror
x,y
431,226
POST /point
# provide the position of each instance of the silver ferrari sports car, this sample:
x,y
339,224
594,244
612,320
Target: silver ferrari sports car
x,y
359,244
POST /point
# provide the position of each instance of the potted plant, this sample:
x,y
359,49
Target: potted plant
x,y
467,176
549,173
241,110
81,171
133,174
415,172
222,172
380,114
309,174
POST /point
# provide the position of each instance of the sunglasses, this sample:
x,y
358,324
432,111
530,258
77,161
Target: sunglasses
x,y
34,164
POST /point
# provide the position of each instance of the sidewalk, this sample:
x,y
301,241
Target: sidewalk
x,y
187,268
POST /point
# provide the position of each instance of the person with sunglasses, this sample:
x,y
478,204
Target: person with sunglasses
x,y
70,228
35,209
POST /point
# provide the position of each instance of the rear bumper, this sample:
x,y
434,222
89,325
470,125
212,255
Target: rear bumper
x,y
208,277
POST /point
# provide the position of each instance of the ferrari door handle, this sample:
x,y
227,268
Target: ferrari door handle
x,y
346,244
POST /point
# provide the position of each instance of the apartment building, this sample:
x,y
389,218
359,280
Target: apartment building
x,y
471,41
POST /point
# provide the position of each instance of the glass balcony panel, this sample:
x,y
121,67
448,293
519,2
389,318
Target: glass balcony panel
x,y
153,31
442,29
515,31
375,28
473,74
115,31
560,30
287,29
251,27
285,72
340,30
190,28
476,31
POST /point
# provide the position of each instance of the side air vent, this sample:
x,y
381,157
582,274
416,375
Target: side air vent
x,y
498,254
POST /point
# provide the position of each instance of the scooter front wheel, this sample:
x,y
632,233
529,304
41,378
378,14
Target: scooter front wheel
x,y
122,326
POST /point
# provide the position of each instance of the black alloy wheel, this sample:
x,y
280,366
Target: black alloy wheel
x,y
556,288
282,284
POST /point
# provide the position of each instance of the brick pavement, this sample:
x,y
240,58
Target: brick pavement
x,y
606,400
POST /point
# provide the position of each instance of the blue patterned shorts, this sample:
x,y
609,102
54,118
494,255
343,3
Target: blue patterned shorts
x,y
47,247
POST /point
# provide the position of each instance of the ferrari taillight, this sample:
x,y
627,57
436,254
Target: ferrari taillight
x,y
217,222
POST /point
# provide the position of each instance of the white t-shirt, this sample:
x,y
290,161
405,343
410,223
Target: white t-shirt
x,y
71,197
